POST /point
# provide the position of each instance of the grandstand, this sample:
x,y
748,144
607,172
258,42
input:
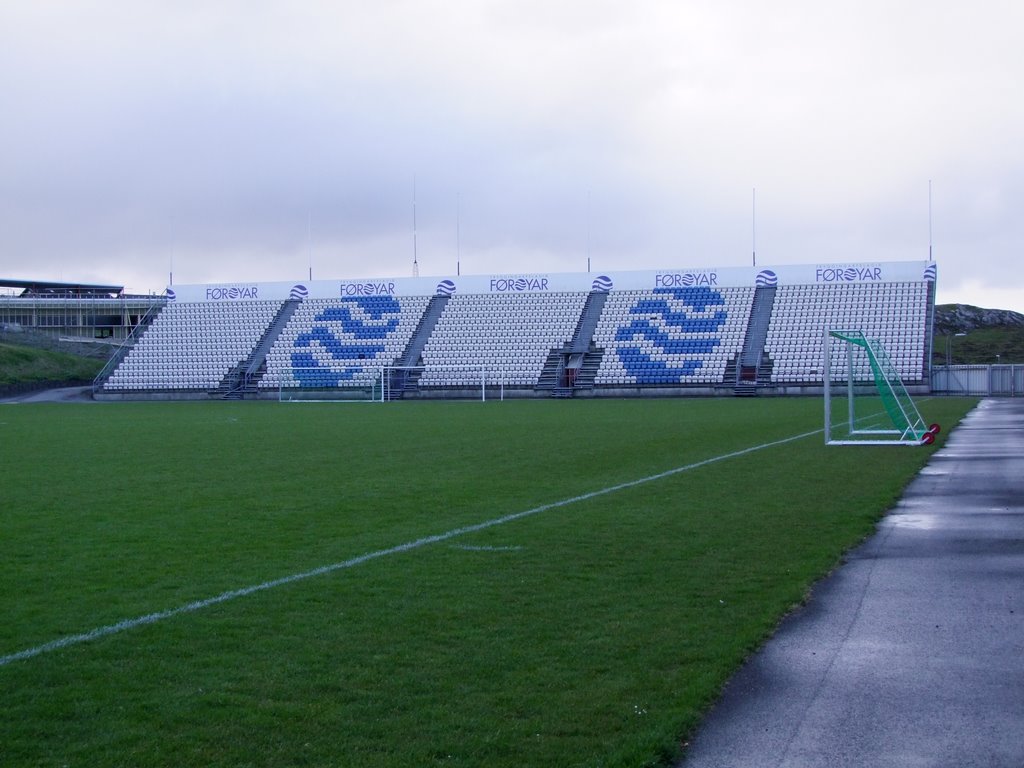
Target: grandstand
x,y
742,331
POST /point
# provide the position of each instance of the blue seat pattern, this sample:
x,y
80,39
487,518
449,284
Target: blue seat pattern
x,y
349,341
673,350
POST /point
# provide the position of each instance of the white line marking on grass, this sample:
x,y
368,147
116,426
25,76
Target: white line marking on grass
x,y
152,618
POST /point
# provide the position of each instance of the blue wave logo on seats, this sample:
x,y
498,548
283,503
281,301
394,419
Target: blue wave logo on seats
x,y
601,284
299,292
766,279
351,334
446,288
171,295
930,273
665,345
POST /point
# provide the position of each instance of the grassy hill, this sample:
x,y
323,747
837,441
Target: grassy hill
x,y
982,346
22,365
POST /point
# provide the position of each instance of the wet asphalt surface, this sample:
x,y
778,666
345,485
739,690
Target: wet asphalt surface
x,y
63,395
912,653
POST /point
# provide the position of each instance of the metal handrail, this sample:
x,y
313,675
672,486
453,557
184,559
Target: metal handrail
x,y
124,346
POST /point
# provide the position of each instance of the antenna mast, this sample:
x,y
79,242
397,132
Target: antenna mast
x,y
587,213
415,263
930,220
753,226
174,247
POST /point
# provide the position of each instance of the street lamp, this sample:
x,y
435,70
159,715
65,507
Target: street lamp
x,y
949,347
949,355
949,358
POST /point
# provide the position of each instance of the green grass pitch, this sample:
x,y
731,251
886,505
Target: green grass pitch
x,y
591,633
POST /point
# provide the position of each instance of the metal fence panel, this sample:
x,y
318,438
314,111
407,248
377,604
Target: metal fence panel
x,y
984,380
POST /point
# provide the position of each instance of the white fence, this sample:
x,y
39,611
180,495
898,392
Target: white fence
x,y
987,380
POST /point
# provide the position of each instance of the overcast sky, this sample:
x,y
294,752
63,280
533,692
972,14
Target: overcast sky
x,y
246,141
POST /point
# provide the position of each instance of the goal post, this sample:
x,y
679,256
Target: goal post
x,y
866,402
322,385
468,380
384,383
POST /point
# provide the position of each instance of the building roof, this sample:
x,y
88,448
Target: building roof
x,y
43,289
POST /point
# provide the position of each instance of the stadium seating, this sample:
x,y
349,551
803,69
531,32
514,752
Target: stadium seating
x,y
894,313
192,346
671,336
510,335
684,337
342,342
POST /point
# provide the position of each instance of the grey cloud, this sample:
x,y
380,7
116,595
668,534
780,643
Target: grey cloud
x,y
244,141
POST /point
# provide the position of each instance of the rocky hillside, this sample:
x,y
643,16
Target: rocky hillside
x,y
963,318
975,336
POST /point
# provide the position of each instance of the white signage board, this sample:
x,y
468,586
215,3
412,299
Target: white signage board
x,y
712,277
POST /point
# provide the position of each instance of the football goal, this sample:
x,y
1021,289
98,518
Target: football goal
x,y
385,383
323,385
470,380
866,402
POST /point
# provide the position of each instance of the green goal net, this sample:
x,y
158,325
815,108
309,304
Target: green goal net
x,y
866,401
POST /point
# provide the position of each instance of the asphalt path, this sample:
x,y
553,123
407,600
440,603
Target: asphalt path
x,y
912,652
61,395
